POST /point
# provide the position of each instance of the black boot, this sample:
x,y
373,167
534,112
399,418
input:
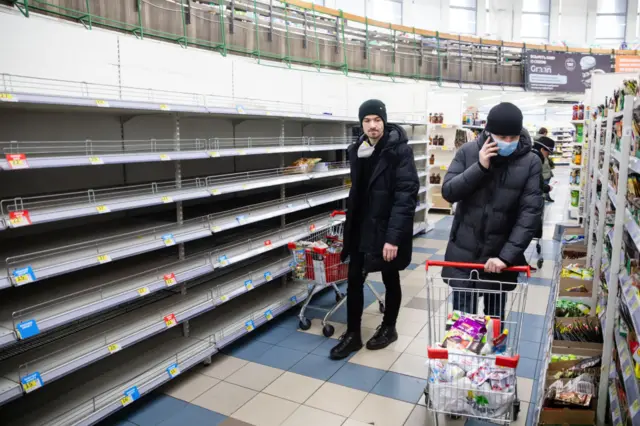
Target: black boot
x,y
548,199
349,342
384,336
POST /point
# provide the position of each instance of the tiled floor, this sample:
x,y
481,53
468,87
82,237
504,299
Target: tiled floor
x,y
281,375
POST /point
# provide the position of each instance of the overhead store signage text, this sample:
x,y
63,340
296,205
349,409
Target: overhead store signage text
x,y
563,71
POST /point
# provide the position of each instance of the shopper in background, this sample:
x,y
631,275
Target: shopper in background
x,y
545,146
496,181
378,231
542,131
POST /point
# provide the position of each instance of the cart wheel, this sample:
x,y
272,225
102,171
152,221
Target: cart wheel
x,y
516,410
328,330
538,248
381,307
305,324
540,262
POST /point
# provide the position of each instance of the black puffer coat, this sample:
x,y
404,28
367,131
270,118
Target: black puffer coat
x,y
391,202
499,210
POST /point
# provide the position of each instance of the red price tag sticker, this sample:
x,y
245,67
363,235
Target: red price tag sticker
x,y
170,320
19,218
17,161
170,279
267,243
312,228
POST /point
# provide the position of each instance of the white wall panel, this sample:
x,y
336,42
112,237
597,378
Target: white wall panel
x,y
255,81
47,48
324,93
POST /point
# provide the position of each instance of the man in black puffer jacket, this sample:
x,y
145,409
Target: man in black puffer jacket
x,y
496,181
378,231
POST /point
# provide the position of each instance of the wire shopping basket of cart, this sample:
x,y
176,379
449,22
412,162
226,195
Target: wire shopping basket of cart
x,y
474,325
316,260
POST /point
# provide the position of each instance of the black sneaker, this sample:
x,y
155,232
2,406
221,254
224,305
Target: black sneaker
x,y
548,199
349,342
384,336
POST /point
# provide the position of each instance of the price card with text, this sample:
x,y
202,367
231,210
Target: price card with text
x,y
241,152
23,276
166,199
170,320
214,192
312,227
170,279
173,370
627,370
102,104
8,97
445,148
104,258
168,240
443,167
214,154
248,285
165,107
31,382
216,228
19,218
293,300
635,407
268,315
267,244
223,260
103,209
114,347
96,161
17,161
242,219
143,291
26,329
444,126
224,298
267,276
164,157
129,396
249,325
240,109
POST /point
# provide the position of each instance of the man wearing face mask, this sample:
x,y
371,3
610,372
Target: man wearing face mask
x,y
496,181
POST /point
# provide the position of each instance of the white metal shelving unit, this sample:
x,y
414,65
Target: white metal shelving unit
x,y
82,306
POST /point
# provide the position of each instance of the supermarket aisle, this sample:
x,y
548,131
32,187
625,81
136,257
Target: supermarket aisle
x,y
280,375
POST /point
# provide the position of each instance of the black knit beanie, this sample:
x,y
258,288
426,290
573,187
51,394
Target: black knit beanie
x,y
504,119
372,107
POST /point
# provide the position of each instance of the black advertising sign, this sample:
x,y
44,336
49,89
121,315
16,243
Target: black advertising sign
x,y
563,71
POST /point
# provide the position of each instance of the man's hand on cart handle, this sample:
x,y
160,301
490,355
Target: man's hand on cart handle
x,y
494,265
477,266
389,252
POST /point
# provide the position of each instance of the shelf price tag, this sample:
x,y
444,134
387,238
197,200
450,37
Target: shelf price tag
x,y
223,260
249,325
443,167
241,152
248,285
173,370
143,291
102,103
444,126
104,258
114,347
267,276
445,148
216,228
23,276
267,244
214,192
170,320
27,329
170,279
130,395
31,382
627,370
268,315
168,240
96,161
103,209
312,227
214,154
616,413
17,161
293,300
19,218
8,97
240,109
292,265
165,107
242,219
635,407
164,157
224,298
166,199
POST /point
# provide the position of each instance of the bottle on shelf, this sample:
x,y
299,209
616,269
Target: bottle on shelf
x,y
432,159
430,117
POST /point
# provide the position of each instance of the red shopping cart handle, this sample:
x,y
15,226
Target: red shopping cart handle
x,y
464,265
338,213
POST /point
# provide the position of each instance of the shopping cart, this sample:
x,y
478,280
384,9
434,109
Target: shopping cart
x,y
471,375
316,260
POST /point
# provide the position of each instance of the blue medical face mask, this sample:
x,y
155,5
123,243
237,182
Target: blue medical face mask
x,y
505,148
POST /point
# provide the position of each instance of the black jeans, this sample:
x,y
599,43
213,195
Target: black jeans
x,y
467,301
355,293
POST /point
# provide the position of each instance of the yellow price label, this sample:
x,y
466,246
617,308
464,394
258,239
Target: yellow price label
x,y
242,152
7,97
214,154
616,413
102,209
627,371
224,298
245,186
23,279
164,157
17,163
444,126
113,348
443,167
215,192
269,150
102,104
143,291
104,258
268,315
165,107
166,199
445,148
126,400
635,407
96,161
31,385
216,228
174,371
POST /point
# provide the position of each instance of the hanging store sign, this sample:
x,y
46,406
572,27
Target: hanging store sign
x,y
563,71
626,63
